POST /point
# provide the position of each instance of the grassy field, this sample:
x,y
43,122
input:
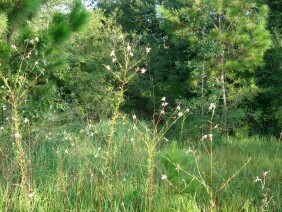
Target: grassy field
x,y
71,167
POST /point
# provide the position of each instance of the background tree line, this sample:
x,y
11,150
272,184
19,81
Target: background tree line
x,y
227,52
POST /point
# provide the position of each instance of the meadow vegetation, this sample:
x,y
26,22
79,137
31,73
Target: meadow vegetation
x,y
66,164
99,114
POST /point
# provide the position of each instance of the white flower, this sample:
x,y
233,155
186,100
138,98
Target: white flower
x,y
17,134
131,54
25,120
66,151
187,110
164,104
204,137
134,116
143,70
112,53
148,49
96,155
257,179
212,106
162,112
108,67
30,195
114,60
164,177
13,46
128,48
36,39
180,114
163,99
189,150
178,108
99,148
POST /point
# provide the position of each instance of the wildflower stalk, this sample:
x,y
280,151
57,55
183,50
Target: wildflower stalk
x,y
151,139
208,184
150,176
19,152
212,203
17,89
126,69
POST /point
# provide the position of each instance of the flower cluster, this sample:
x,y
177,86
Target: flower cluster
x,y
209,136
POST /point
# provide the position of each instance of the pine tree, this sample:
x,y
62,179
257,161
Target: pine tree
x,y
16,31
228,39
269,78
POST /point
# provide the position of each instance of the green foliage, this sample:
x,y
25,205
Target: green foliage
x,y
19,12
87,85
228,41
269,77
78,16
44,46
64,25
174,158
202,52
3,23
60,30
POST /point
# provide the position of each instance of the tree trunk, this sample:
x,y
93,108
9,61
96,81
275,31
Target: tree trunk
x,y
224,98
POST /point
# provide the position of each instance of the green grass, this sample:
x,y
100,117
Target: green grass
x,y
67,169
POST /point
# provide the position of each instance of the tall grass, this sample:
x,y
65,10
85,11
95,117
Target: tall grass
x,y
67,170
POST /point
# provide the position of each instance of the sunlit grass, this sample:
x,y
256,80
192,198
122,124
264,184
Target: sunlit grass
x,y
67,166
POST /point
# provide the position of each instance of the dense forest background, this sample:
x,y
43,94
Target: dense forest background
x,y
224,52
140,105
